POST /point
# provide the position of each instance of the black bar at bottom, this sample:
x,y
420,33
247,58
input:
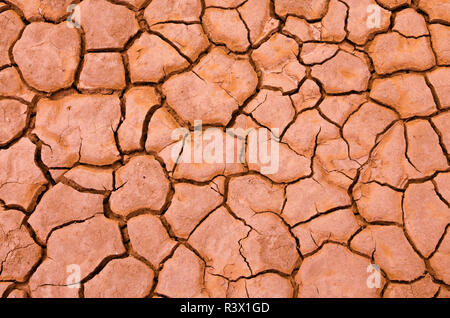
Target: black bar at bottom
x,y
221,307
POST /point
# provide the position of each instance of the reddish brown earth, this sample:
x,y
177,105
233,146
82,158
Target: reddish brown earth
x,y
87,180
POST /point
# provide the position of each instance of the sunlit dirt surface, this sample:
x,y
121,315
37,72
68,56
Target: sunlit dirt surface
x,y
94,204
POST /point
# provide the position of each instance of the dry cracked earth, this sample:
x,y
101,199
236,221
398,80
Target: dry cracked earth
x,y
88,186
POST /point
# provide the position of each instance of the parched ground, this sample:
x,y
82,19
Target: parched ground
x,y
90,194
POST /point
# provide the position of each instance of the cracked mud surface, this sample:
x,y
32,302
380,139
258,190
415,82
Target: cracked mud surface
x,y
86,176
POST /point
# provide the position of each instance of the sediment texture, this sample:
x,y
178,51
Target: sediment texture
x,y
86,177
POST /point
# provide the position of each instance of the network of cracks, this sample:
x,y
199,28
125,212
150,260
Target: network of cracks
x,y
93,204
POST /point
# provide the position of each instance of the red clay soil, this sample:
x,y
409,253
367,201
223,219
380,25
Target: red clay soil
x,y
93,204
